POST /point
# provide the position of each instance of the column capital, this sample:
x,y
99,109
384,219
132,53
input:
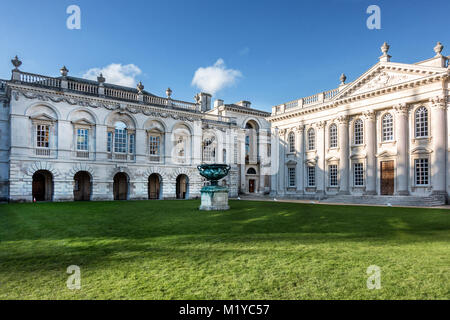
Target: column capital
x,y
439,102
299,128
282,132
401,108
321,124
343,119
369,115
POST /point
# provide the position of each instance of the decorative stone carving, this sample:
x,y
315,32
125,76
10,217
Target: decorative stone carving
x,y
140,87
101,79
343,78
343,119
401,109
369,115
64,71
16,63
385,48
439,102
438,49
169,93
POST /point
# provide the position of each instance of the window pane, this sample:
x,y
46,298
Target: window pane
x,y
358,174
421,122
333,173
42,136
333,136
311,176
82,139
359,134
120,140
388,129
422,171
291,173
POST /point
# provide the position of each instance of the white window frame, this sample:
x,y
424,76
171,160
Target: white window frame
x,y
291,141
333,136
311,176
421,123
419,179
292,177
333,172
387,128
311,134
358,132
358,177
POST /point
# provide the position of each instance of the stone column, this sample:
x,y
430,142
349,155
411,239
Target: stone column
x,y
282,159
370,139
439,135
402,149
300,158
343,154
275,162
320,146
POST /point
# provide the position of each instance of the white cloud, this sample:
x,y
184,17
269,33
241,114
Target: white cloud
x,y
214,78
116,73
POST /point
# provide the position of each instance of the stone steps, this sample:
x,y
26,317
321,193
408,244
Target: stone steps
x,y
408,201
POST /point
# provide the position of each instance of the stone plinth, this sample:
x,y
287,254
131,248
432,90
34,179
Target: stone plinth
x,y
214,198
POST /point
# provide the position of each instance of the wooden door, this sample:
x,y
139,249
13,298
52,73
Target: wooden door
x,y
39,187
251,186
153,187
82,188
387,178
120,187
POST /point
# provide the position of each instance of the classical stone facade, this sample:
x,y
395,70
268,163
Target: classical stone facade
x,y
384,134
65,138
383,138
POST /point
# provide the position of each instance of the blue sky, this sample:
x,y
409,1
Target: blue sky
x,y
271,51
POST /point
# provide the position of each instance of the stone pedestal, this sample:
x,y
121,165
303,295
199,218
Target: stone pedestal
x,y
214,198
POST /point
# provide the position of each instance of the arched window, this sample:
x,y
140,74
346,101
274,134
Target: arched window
x,y
120,137
209,149
387,124
333,136
421,124
251,171
311,139
359,132
291,139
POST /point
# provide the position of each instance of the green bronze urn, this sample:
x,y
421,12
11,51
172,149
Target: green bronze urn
x,y
214,197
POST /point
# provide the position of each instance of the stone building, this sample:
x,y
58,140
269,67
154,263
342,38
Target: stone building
x,y
383,138
65,138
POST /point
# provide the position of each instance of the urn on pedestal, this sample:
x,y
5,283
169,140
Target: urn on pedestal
x,y
214,197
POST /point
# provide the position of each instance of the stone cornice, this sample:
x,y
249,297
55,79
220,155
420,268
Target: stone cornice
x,y
366,95
98,102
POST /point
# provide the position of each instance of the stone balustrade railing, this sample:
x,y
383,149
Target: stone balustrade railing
x,y
94,89
36,79
213,117
307,101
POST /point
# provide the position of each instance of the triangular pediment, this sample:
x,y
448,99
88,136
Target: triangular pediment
x,y
83,121
42,117
384,75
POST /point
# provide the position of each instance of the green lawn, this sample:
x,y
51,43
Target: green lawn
x,y
257,250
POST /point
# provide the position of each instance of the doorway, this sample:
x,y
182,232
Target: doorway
x,y
251,186
82,187
154,187
387,178
42,188
182,186
120,186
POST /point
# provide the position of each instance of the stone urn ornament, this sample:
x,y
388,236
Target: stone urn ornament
x,y
214,197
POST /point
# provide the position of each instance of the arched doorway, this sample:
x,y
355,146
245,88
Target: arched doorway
x,y
154,187
182,187
120,186
82,186
42,186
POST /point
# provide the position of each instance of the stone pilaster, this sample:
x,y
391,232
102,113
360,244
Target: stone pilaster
x,y
370,139
300,136
282,159
320,147
402,148
343,154
438,133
